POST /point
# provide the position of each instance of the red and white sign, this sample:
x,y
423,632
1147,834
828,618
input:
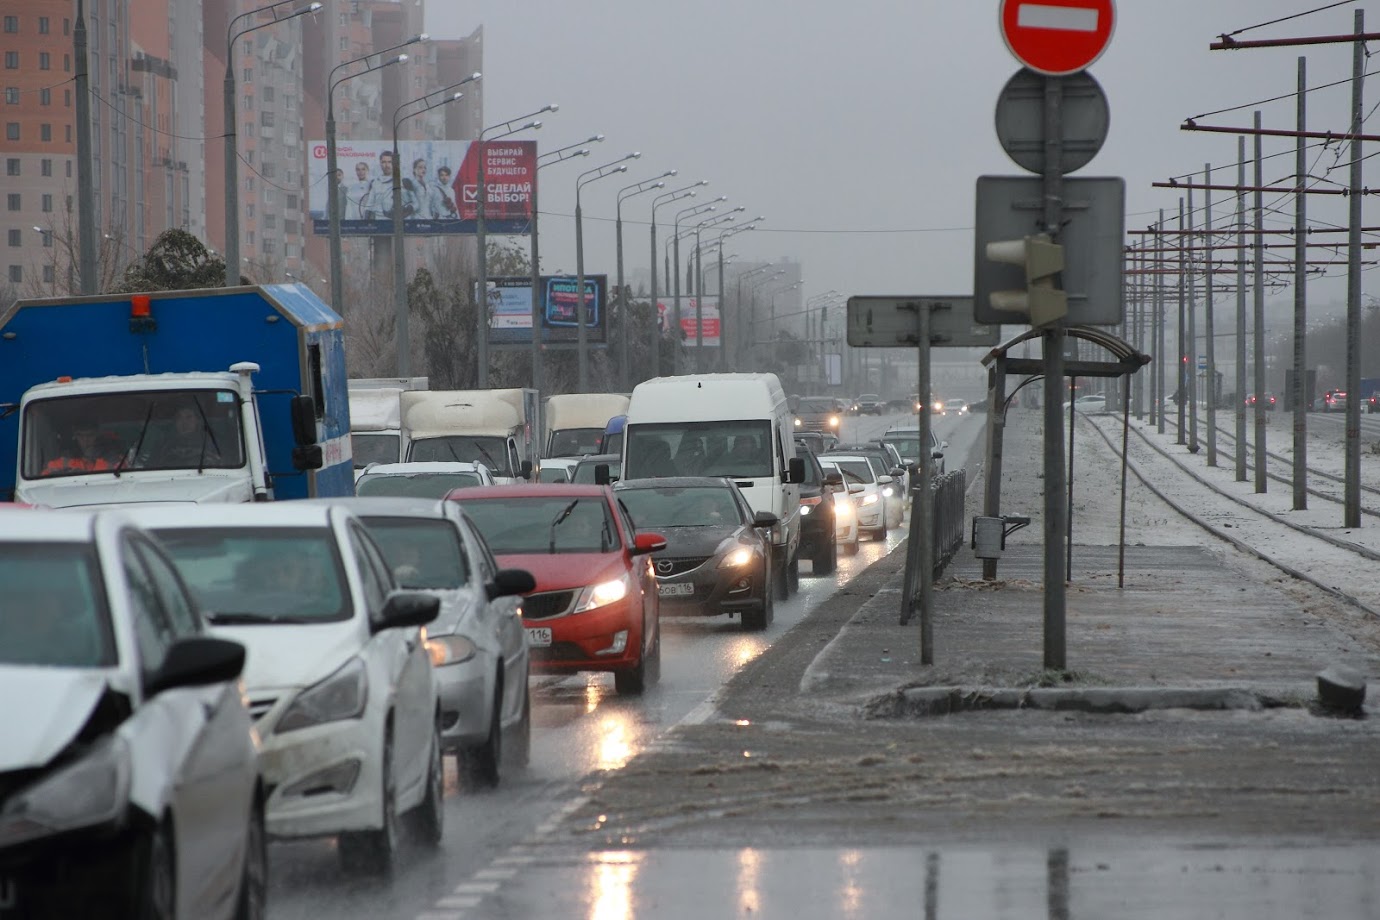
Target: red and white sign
x,y
1057,37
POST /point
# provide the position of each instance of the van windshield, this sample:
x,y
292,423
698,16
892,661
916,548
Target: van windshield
x,y
490,451
575,442
721,448
373,447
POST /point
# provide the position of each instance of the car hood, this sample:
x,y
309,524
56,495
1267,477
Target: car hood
x,y
288,656
682,542
557,571
459,612
135,489
56,704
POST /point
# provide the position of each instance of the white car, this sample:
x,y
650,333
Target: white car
x,y
846,532
478,647
129,780
421,479
338,678
874,515
555,469
906,442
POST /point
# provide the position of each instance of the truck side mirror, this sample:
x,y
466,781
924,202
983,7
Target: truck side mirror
x,y
601,474
795,471
307,457
304,421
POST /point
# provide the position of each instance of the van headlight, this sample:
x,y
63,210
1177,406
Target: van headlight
x,y
341,696
92,790
603,594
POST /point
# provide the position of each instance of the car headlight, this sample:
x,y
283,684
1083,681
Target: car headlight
x,y
737,559
602,594
805,510
870,499
888,491
341,696
90,791
843,510
797,423
446,650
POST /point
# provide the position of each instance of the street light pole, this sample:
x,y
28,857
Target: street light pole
x,y
723,305
686,192
675,239
86,192
333,187
741,330
493,132
699,282
581,311
625,324
232,181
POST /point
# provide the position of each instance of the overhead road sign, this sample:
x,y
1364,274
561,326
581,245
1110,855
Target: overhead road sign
x,y
1057,37
894,322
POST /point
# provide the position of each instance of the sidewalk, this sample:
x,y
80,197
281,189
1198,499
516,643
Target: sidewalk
x,y
1197,623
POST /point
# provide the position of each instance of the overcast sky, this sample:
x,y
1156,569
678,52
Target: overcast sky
x,y
859,129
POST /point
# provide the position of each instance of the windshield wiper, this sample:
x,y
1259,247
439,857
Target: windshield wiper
x,y
558,520
205,434
139,442
493,464
232,619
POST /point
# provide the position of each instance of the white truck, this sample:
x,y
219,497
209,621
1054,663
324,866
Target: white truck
x,y
575,422
494,427
376,419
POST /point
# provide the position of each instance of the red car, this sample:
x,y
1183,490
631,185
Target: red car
x,y
595,606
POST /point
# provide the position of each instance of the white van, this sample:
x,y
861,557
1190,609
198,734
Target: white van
x,y
737,426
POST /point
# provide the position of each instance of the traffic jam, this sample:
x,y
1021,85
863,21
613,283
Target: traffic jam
x,y
270,603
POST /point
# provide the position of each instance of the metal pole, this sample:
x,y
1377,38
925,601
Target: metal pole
x,y
1301,303
1055,484
699,304
1162,365
482,282
582,342
624,325
1241,313
1192,335
537,330
676,331
333,208
926,541
656,311
723,305
1259,309
86,190
232,197
1209,322
1181,385
401,307
1352,512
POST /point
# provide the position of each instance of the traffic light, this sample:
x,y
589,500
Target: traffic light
x,y
1042,259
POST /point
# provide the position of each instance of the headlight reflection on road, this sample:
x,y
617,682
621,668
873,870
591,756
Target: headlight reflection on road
x,y
850,891
749,898
615,742
614,874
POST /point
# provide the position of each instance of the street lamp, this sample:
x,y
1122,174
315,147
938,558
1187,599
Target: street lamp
x,y
582,334
493,132
400,306
699,281
723,326
675,238
775,294
686,192
550,158
333,187
741,330
751,338
232,180
624,193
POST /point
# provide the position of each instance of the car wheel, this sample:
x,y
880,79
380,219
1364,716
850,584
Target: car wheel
x,y
826,560
632,681
851,548
782,579
522,741
254,877
793,574
480,764
373,852
654,661
158,891
879,534
428,819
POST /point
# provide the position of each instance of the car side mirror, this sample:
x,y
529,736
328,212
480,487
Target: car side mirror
x,y
884,480
856,488
525,469
833,479
795,471
601,474
196,662
303,411
938,453
648,543
508,582
407,608
765,519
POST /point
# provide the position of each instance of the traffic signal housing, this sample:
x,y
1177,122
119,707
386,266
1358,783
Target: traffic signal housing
x,y
1042,259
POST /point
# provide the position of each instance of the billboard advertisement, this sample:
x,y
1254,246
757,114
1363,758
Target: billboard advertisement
x,y
440,187
510,306
709,316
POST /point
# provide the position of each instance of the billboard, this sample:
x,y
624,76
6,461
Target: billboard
x,y
440,187
510,309
709,316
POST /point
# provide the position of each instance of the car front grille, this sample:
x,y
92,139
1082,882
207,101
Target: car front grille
x,y
669,568
547,604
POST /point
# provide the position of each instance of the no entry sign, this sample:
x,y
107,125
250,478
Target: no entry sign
x,y
1057,37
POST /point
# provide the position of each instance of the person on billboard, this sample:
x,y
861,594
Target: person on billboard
x,y
443,196
416,196
357,192
342,195
379,202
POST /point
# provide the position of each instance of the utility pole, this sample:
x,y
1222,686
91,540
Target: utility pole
x,y
1300,393
86,192
1259,305
1352,486
1241,313
1209,322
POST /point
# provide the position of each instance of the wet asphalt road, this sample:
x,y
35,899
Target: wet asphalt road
x,y
581,728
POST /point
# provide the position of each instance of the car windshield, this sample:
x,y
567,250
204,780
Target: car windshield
x,y
514,525
415,485
584,470
552,474
52,611
575,442
374,448
908,446
423,553
112,432
490,451
727,448
816,404
853,470
262,575
696,506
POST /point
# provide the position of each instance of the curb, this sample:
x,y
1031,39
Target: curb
x,y
916,702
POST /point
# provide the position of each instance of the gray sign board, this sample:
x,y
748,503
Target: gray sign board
x,y
894,322
1084,118
1092,232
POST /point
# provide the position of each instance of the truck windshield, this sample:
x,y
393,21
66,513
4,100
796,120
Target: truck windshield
x,y
722,448
147,430
374,448
575,442
490,451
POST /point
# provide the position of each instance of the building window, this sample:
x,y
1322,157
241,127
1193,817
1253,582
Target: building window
x,y
67,63
66,26
269,169
248,75
14,201
67,98
47,274
16,238
290,227
45,97
291,202
11,130
248,104
12,166
271,221
268,93
68,164
12,95
45,167
249,210
11,23
44,60
17,274
45,132
47,204
11,60
266,118
43,25
68,132
47,240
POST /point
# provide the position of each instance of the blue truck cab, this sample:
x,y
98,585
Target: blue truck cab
x,y
216,395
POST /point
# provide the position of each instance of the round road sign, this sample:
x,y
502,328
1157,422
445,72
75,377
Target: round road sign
x,y
1083,124
1057,37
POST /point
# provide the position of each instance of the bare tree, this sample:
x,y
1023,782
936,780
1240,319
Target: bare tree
x,y
55,274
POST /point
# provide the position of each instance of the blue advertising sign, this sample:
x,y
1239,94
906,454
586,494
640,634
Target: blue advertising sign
x,y
510,309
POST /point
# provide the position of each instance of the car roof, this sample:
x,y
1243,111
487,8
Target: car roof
x,y
600,458
372,505
421,466
252,514
532,490
825,458
674,482
33,525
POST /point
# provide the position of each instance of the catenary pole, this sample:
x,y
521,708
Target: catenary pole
x,y
1351,514
1301,392
1258,304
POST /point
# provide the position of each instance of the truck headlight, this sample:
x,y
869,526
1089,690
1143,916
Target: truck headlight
x,y
602,594
446,650
797,423
90,791
341,696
